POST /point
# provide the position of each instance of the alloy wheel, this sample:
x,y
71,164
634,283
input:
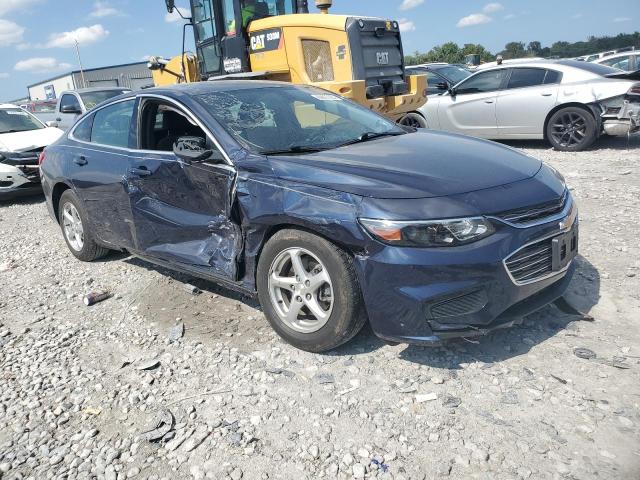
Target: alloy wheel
x,y
569,129
300,290
72,225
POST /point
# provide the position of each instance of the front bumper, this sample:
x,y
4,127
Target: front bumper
x,y
18,181
426,296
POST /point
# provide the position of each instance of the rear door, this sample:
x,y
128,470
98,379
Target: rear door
x,y
472,110
523,106
98,166
181,211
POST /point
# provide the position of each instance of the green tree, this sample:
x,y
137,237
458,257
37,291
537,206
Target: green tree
x,y
534,48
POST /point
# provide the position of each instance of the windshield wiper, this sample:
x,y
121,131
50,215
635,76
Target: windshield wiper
x,y
366,136
293,149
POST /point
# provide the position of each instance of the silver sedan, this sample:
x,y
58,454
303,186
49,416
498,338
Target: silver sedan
x,y
566,102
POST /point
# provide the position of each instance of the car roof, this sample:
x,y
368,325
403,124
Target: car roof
x,y
203,88
96,89
617,55
8,105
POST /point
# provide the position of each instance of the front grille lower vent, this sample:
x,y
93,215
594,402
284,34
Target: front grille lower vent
x,y
536,212
464,305
532,262
317,60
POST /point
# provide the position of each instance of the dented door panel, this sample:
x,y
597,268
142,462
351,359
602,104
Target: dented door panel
x,y
182,213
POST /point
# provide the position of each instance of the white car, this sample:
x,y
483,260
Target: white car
x,y
22,139
566,102
629,61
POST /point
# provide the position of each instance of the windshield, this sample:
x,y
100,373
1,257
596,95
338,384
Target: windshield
x,y
596,68
453,73
91,99
293,118
17,120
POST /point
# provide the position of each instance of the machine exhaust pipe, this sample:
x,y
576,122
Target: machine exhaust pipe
x,y
324,5
303,6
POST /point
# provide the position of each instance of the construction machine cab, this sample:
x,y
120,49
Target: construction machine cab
x,y
220,29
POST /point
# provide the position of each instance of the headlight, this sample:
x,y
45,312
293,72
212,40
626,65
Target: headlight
x,y
433,233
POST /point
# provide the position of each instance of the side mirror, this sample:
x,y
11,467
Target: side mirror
x,y
171,5
191,149
70,109
52,124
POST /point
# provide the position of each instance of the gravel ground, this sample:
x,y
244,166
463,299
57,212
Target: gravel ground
x,y
80,386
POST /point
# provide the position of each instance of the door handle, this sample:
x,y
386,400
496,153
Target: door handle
x,y
80,160
546,94
488,101
58,119
140,172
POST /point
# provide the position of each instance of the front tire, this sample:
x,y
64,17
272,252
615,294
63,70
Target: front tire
x,y
413,119
75,229
309,291
571,129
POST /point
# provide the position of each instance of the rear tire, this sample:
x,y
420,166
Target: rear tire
x,y
75,229
413,119
309,291
571,129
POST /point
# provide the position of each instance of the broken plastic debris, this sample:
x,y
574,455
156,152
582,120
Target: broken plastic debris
x,y
192,289
451,402
426,397
382,466
148,364
565,307
323,378
95,297
584,353
176,332
163,426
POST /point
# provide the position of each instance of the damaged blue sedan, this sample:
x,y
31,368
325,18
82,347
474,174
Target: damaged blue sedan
x,y
331,214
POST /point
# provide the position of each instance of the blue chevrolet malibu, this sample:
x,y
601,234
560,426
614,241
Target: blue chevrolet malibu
x,y
331,214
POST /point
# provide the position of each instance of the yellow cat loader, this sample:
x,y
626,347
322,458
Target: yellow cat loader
x,y
360,58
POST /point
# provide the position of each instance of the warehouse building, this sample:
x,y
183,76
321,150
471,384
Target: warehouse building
x,y
131,75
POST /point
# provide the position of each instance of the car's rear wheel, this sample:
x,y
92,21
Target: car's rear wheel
x,y
75,229
309,291
413,119
571,129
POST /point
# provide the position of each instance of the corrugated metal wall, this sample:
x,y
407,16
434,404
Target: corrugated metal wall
x,y
133,76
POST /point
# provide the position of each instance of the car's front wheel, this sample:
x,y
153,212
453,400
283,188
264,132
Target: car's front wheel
x,y
571,129
309,291
75,229
413,119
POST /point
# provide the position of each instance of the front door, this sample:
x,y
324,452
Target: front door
x,y
181,211
471,110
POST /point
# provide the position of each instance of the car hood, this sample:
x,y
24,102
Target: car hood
x,y
418,165
30,140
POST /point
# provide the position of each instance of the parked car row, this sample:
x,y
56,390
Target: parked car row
x,y
565,102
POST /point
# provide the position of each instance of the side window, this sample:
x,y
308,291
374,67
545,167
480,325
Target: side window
x,y
623,63
70,102
433,79
526,77
111,124
162,124
83,131
552,76
483,82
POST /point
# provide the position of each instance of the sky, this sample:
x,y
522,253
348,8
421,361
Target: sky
x,y
37,36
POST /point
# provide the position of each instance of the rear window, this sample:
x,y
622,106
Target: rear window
x,y
594,68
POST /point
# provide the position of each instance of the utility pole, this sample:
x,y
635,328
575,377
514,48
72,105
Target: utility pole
x,y
84,83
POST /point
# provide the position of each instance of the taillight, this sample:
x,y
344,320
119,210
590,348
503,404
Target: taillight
x,y
41,158
635,89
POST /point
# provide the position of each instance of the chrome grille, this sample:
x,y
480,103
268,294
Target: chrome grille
x,y
532,263
536,212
